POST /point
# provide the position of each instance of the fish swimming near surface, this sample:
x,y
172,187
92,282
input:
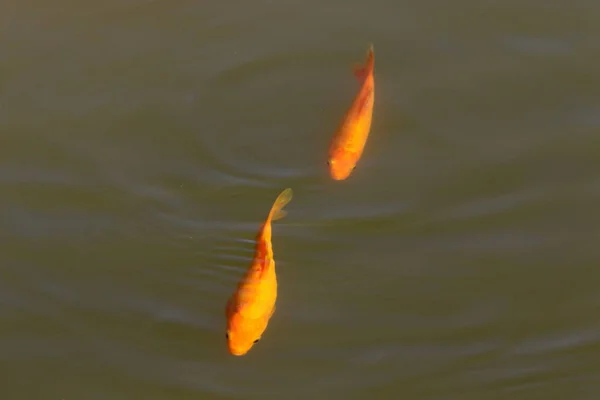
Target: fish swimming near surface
x,y
347,144
252,305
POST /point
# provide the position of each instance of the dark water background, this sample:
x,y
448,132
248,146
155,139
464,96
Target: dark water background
x,y
142,142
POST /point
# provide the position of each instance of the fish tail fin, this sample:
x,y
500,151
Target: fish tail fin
x,y
361,72
277,211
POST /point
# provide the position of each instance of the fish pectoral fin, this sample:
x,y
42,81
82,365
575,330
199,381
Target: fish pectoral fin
x,y
278,215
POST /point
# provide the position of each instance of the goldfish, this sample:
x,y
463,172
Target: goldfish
x,y
347,144
252,304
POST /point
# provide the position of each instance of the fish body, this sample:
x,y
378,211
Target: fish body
x,y
348,143
252,304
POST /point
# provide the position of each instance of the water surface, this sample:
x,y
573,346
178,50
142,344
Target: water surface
x,y
144,141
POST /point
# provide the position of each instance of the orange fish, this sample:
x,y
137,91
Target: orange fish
x,y
349,141
252,304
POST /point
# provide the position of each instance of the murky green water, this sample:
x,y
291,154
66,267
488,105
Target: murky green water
x,y
142,143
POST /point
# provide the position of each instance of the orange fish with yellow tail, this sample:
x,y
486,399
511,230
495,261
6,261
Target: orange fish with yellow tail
x,y
251,306
349,141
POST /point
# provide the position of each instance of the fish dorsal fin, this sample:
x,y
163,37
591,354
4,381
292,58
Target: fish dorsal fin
x,y
247,306
364,100
360,72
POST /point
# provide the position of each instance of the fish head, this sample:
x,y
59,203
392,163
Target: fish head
x,y
341,164
242,333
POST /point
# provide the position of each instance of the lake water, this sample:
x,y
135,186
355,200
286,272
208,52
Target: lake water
x,y
143,142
